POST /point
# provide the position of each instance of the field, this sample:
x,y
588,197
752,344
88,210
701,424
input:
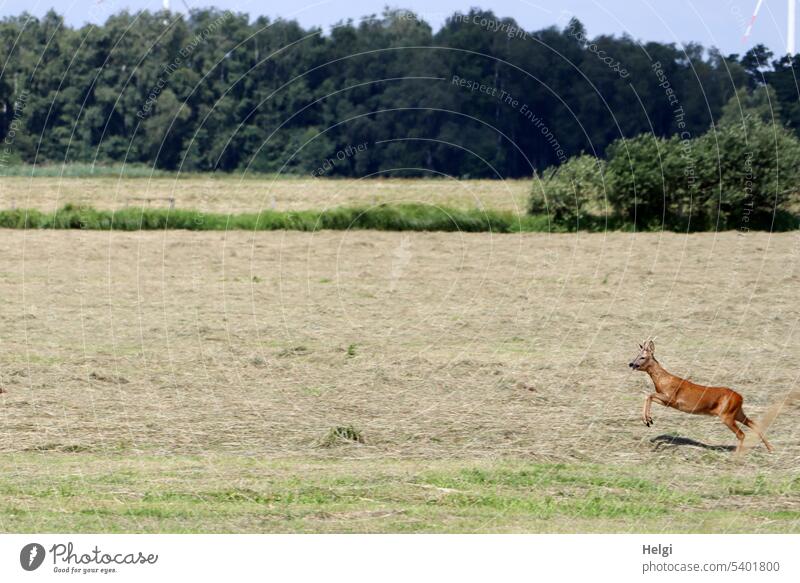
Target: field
x,y
361,381
232,195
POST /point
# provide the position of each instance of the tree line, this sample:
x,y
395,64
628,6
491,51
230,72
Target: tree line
x,y
481,97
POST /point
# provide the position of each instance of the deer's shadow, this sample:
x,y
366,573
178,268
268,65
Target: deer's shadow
x,y
674,440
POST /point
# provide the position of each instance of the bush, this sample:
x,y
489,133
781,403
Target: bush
x,y
570,191
651,180
735,176
751,170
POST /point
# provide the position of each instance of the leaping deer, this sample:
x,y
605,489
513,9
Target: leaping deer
x,y
689,397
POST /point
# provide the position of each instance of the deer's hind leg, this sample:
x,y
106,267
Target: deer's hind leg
x,y
730,420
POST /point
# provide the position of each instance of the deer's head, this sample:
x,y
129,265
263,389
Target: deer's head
x,y
645,356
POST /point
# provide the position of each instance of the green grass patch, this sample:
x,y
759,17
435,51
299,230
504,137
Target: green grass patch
x,y
57,492
382,217
576,491
405,217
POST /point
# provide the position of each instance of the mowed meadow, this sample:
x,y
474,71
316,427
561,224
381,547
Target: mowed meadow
x,y
366,381
225,194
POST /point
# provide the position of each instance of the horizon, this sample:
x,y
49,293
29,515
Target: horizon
x,y
707,23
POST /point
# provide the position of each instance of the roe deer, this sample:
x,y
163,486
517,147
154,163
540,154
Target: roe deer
x,y
686,396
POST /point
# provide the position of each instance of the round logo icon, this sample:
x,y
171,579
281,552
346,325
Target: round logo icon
x,y
31,556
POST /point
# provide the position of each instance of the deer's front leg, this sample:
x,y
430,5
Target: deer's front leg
x,y
648,400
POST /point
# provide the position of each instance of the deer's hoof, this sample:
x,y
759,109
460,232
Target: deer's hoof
x,y
648,421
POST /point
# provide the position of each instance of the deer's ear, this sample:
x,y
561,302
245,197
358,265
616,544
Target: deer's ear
x,y
641,346
651,346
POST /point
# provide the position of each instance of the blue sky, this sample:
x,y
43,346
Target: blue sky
x,y
718,23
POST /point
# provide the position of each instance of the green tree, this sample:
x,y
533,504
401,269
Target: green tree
x,y
759,103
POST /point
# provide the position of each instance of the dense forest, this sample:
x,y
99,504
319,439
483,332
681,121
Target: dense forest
x,y
480,97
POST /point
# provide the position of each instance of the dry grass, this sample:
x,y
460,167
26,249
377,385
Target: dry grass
x,y
235,196
444,351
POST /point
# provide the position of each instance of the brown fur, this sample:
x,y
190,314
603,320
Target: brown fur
x,y
689,397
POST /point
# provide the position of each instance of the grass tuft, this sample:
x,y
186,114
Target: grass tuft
x,y
342,434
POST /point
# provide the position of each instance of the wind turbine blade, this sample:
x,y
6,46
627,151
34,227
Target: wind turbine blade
x,y
749,28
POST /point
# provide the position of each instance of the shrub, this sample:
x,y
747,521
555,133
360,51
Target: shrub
x,y
570,191
650,181
736,175
750,170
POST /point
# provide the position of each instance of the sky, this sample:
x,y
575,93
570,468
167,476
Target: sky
x,y
719,23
